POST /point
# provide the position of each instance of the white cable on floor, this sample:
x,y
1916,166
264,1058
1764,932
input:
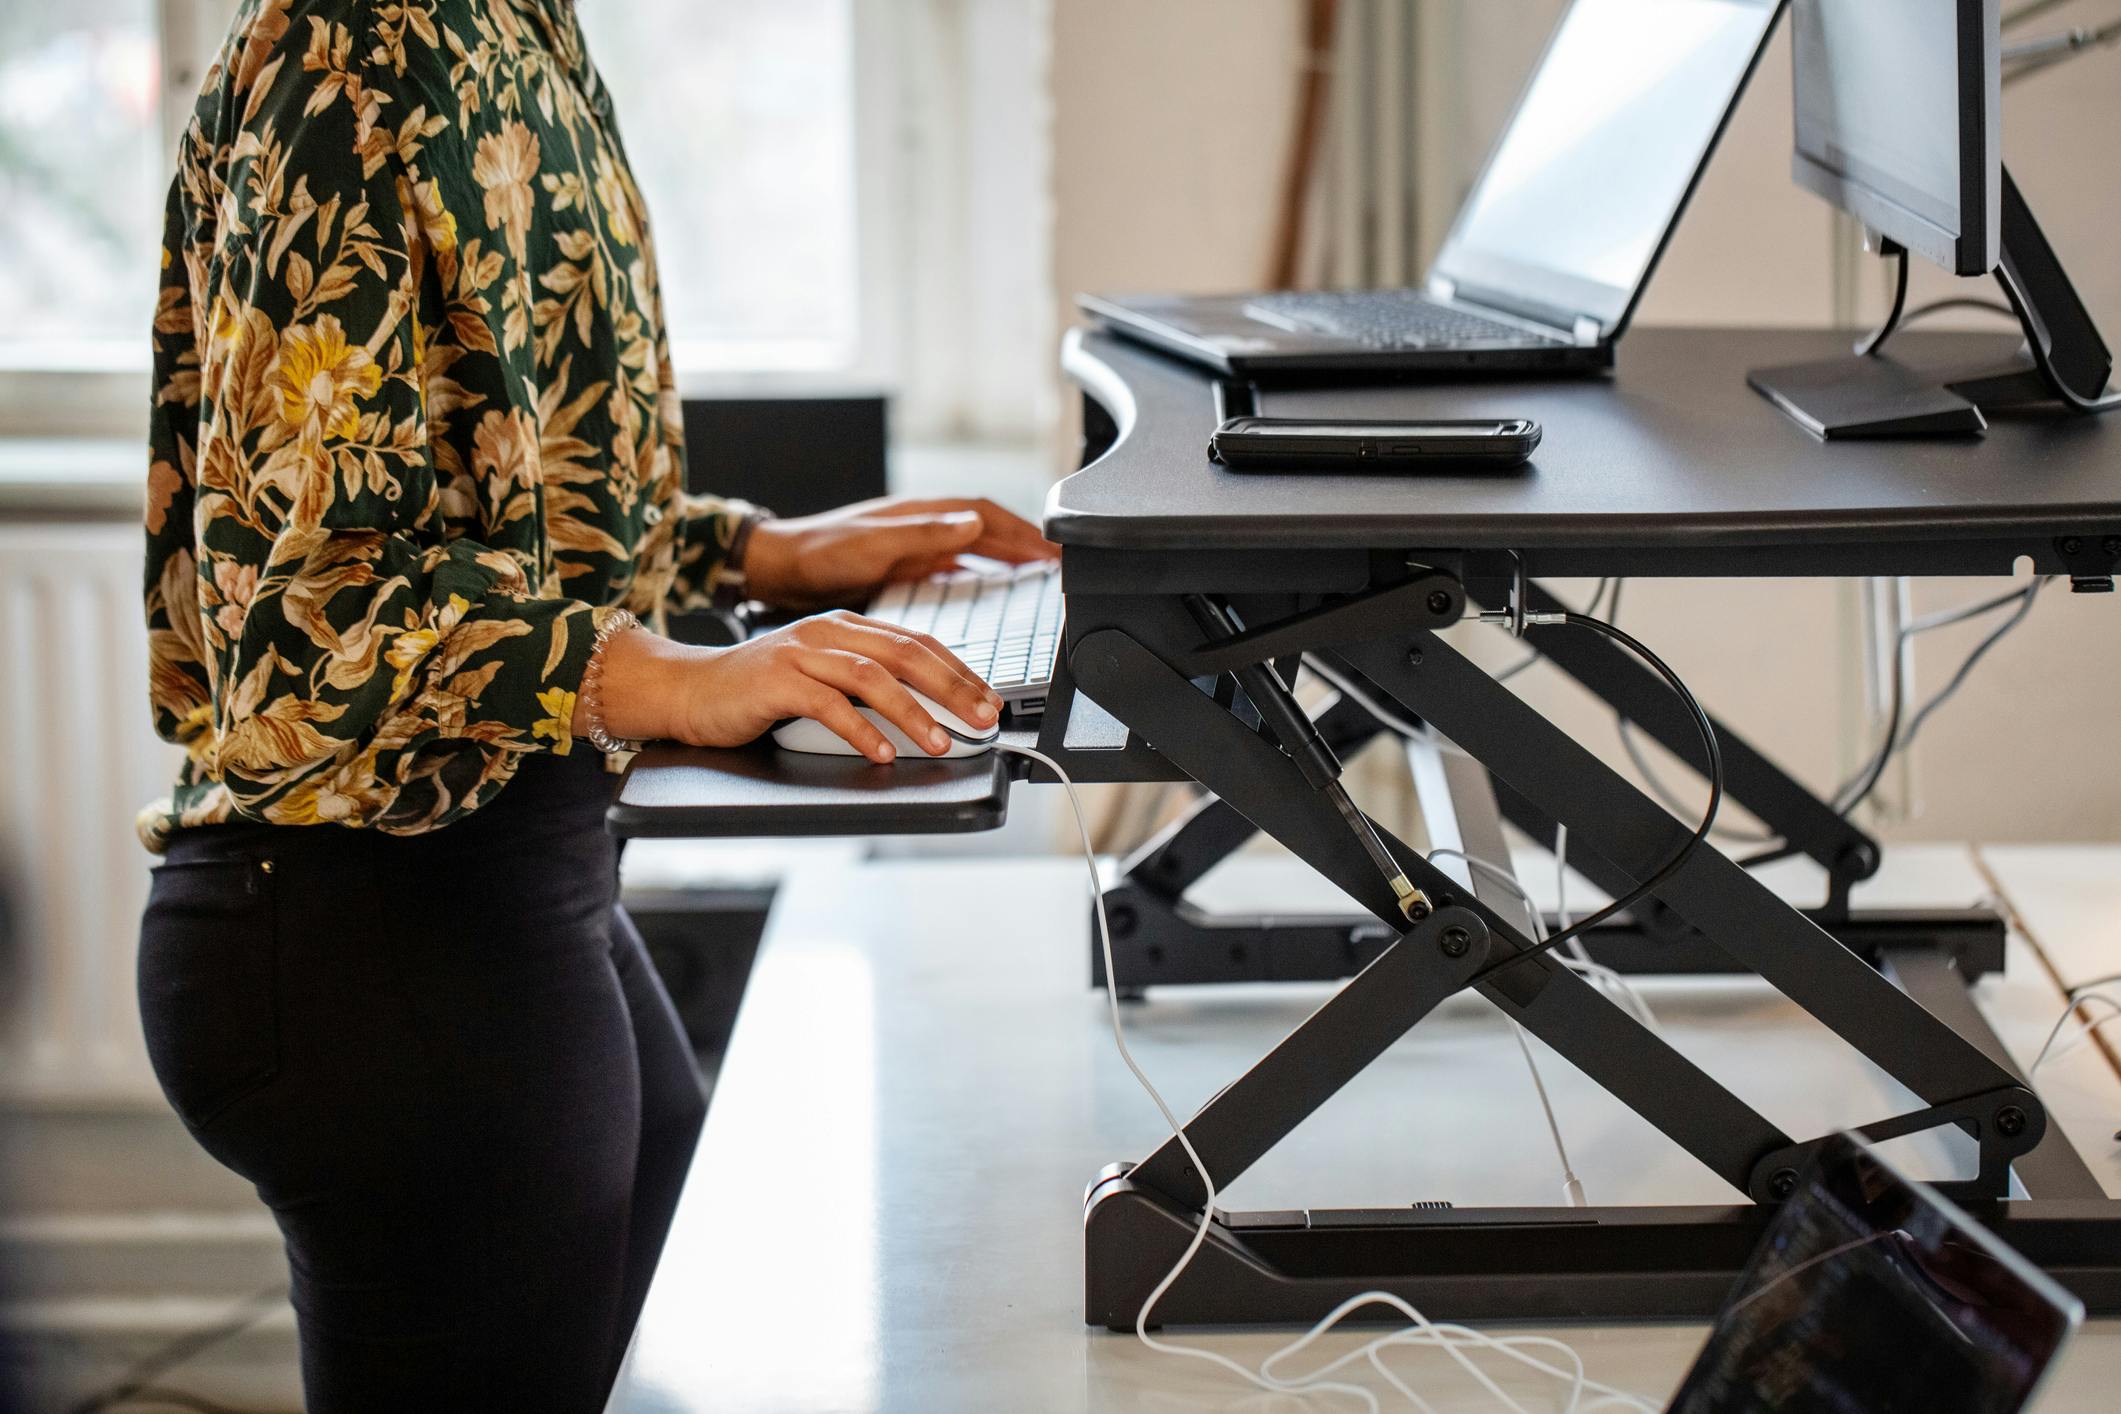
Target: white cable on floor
x,y
1449,1338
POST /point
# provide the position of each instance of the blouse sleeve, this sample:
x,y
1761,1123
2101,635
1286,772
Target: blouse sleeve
x,y
360,665
706,533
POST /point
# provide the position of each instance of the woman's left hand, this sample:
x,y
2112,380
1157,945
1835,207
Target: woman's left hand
x,y
844,555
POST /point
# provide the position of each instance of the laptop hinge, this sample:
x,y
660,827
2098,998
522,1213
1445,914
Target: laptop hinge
x,y
1588,331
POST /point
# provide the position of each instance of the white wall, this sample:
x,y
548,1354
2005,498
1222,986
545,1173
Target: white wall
x,y
1165,172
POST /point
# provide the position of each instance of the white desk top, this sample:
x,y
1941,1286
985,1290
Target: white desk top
x,y
887,1208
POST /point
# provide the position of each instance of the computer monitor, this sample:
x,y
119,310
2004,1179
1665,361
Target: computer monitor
x,y
1898,122
1898,107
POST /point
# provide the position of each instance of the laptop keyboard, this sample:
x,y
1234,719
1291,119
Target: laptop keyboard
x,y
1388,319
1004,624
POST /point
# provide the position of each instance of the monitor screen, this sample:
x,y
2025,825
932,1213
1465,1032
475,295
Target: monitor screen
x,y
1872,1293
1894,103
1593,167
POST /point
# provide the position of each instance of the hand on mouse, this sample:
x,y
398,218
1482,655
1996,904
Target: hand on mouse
x,y
844,555
656,689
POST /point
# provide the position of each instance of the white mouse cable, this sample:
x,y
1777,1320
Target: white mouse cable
x,y
2078,997
1448,1337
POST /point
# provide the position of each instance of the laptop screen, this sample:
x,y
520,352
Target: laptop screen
x,y
1606,141
1872,1293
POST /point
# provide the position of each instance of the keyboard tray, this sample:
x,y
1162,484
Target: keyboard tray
x,y
696,792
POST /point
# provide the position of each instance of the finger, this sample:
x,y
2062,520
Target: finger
x,y
925,567
917,654
1005,535
942,533
878,688
924,663
837,715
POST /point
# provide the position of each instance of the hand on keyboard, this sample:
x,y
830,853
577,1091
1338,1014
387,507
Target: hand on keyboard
x,y
844,556
816,668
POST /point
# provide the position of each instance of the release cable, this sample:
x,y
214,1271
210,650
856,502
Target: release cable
x,y
1693,841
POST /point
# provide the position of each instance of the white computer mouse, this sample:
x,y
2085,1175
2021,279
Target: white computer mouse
x,y
802,734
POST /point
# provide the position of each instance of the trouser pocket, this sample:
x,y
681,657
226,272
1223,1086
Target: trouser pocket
x,y
207,976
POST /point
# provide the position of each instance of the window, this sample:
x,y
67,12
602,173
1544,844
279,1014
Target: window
x,y
739,121
842,189
81,169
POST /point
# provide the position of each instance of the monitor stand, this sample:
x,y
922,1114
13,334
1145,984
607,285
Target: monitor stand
x,y
1868,394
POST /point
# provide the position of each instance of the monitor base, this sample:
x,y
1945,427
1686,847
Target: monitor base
x,y
2063,360
1858,396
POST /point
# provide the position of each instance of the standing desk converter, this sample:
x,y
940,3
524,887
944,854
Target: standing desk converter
x,y
1672,468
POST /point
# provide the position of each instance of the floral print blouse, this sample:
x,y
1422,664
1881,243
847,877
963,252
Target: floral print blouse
x,y
414,428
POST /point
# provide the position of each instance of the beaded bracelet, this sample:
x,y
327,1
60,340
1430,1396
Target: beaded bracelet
x,y
614,624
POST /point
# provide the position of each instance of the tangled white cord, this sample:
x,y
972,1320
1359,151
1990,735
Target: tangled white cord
x,y
1452,1339
2078,997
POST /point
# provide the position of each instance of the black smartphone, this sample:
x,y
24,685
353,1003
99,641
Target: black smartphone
x,y
1305,444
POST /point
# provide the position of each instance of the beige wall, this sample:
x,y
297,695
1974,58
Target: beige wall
x,y
1170,122
1165,171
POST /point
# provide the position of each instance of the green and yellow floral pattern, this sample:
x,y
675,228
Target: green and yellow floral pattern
x,y
414,425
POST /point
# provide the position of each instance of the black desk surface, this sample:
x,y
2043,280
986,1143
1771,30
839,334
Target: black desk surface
x,y
1673,450
1671,467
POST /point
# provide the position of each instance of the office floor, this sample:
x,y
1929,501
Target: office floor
x,y
887,1210
886,1214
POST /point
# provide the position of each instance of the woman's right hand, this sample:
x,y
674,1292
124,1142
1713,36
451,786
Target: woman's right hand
x,y
653,688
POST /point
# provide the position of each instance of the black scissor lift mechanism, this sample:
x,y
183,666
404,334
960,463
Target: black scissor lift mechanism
x,y
1164,672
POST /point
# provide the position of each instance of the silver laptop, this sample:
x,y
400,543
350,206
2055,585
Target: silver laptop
x,y
1555,242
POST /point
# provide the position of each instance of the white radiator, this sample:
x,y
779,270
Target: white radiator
x,y
78,757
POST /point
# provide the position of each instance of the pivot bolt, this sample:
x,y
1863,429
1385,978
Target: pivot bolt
x,y
1782,1182
2010,1121
2113,544
2072,545
1413,657
1418,910
1440,601
1455,941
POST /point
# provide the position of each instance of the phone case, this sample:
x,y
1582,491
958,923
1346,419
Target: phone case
x,y
1270,444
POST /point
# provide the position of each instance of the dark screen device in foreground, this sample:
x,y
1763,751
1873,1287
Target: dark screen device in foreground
x,y
1307,444
1873,1292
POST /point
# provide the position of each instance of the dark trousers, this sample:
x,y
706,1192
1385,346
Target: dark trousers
x,y
448,1067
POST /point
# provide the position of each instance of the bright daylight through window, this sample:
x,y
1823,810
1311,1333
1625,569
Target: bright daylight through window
x,y
81,165
743,141
743,138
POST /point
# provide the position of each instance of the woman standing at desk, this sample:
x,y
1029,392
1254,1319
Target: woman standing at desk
x,y
415,468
